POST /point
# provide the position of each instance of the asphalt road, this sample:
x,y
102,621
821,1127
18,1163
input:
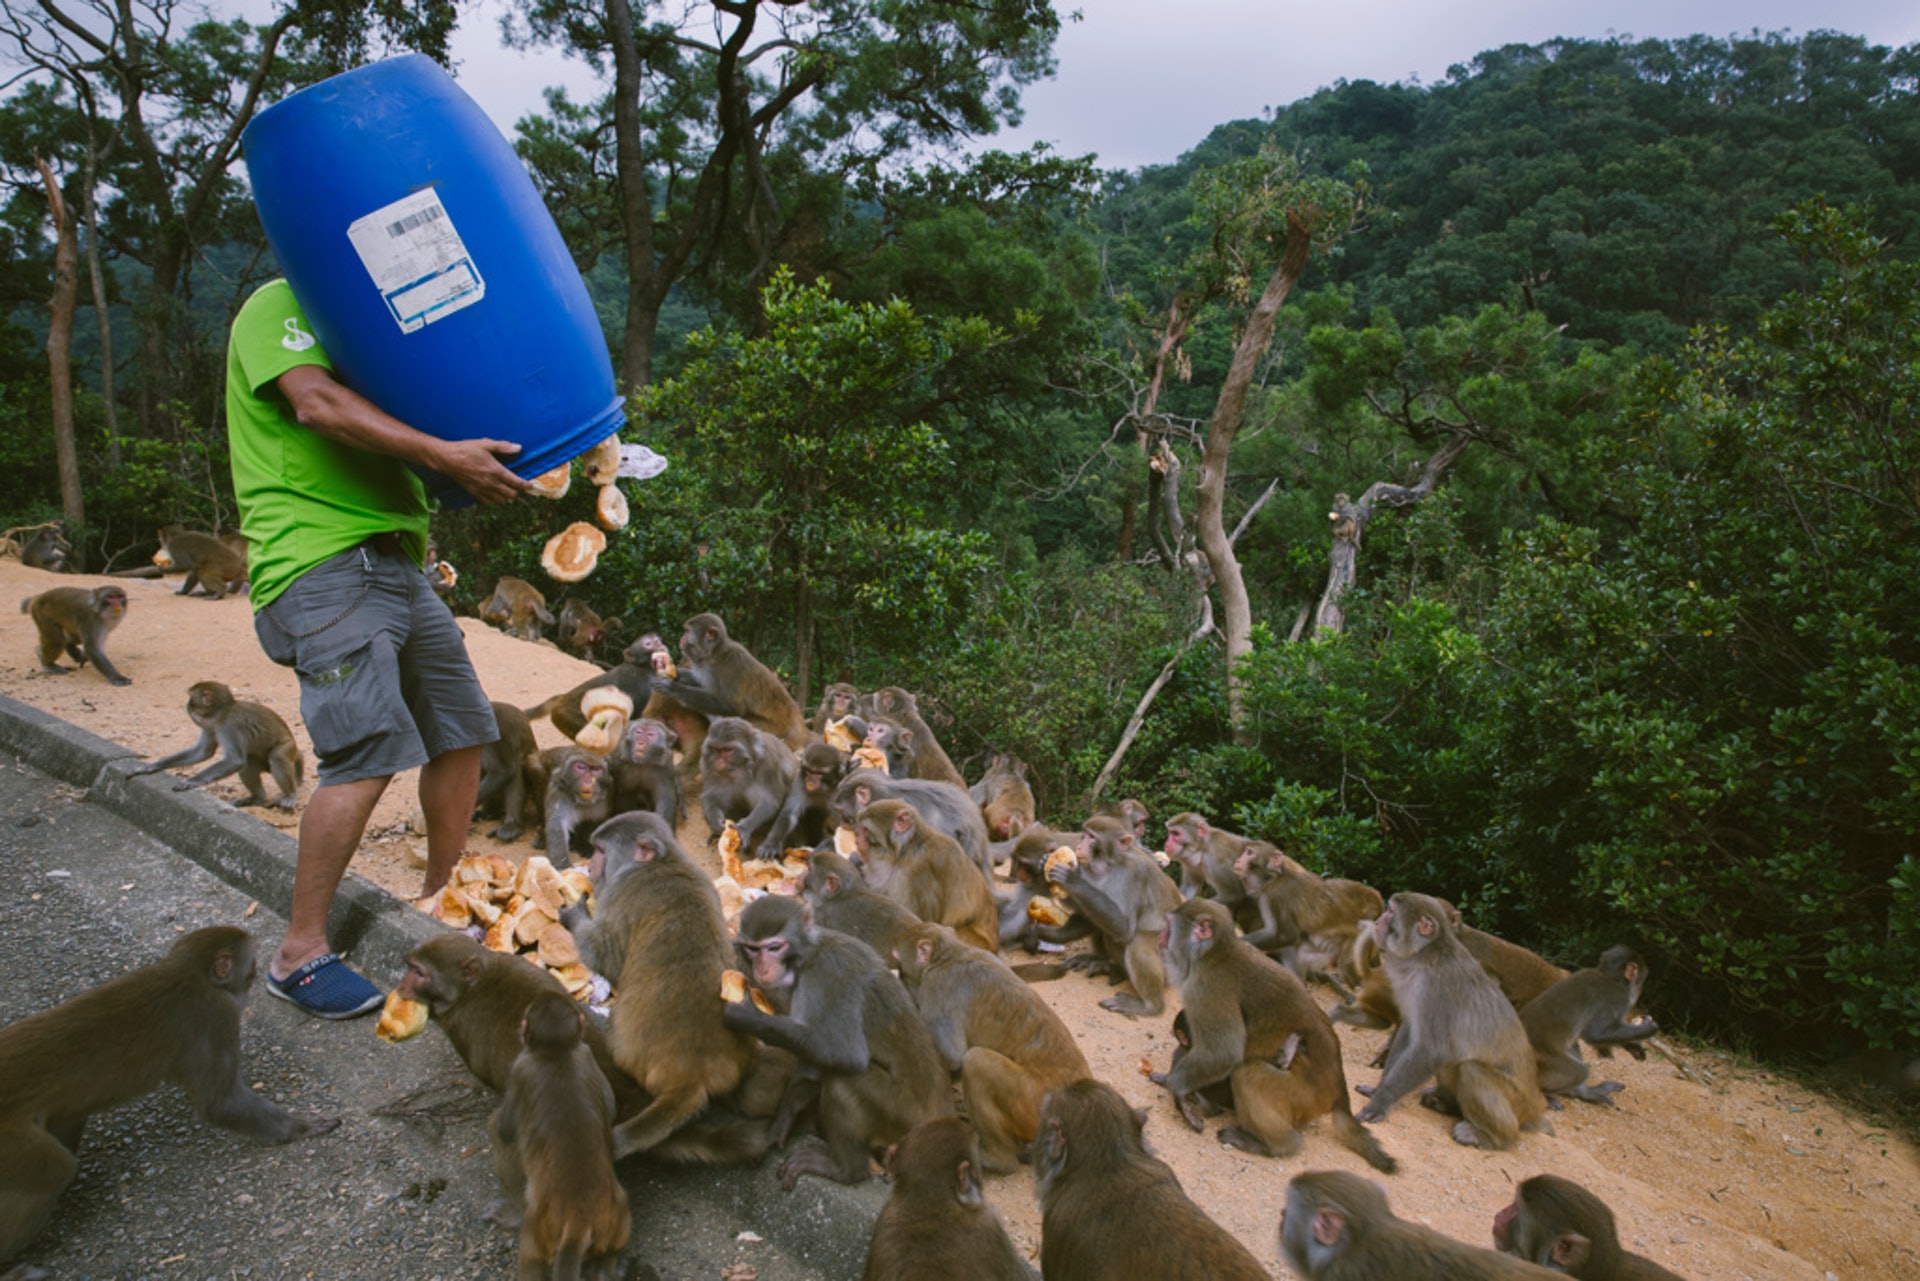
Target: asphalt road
x,y
397,1191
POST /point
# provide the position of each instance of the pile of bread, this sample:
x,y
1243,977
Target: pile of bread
x,y
743,880
571,554
519,910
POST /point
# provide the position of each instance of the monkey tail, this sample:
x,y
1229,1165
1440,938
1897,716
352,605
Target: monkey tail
x,y
568,1258
735,1143
1359,1140
1039,972
536,712
26,604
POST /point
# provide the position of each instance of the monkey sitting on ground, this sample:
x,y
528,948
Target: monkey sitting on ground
x,y
1007,1044
517,608
77,620
840,701
1307,921
1208,858
842,900
925,757
581,629
926,872
854,1029
552,1154
1591,1006
48,549
1337,1227
947,808
1005,799
1564,1228
211,564
1109,1208
251,737
175,1020
1119,890
1455,1026
641,771
507,765
1251,1023
718,676
806,817
936,1224
577,800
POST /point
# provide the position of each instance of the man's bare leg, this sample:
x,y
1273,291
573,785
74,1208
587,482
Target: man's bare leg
x,y
330,831
449,786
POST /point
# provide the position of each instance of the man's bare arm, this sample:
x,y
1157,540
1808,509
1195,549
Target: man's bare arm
x,y
324,404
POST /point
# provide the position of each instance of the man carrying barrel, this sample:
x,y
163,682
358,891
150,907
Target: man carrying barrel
x,y
337,526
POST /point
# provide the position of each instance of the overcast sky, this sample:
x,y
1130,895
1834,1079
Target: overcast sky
x,y
1138,85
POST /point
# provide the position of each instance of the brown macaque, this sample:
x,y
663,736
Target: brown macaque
x,y
1128,811
47,549
176,1020
507,766
552,1154
578,800
806,819
581,629
745,775
720,677
841,900
1109,1208
839,702
1372,1006
1252,1024
76,620
936,1224
1026,858
1566,1229
518,608
211,563
1522,975
1456,1027
852,1026
1337,1227
689,727
251,738
1208,857
927,759
1307,920
642,772
1591,1006
925,872
657,933
630,677
895,742
945,807
1121,892
1005,799
1007,1044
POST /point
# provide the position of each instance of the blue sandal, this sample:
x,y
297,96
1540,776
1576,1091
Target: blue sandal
x,y
327,988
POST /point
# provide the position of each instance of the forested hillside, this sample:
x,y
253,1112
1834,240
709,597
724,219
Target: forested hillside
x,y
1567,529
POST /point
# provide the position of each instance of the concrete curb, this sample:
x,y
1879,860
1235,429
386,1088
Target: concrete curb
x,y
253,857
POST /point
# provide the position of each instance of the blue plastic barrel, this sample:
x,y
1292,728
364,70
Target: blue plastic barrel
x,y
431,271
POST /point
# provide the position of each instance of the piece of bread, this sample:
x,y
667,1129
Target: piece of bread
x,y
540,881
163,560
576,978
553,484
603,731
845,843
663,665
480,904
533,922
731,899
729,846
839,737
870,757
602,463
452,908
610,509
557,948
400,1018
734,989
1044,911
443,574
1062,856
571,554
575,884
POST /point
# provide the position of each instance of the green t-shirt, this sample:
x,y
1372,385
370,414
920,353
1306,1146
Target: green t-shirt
x,y
302,496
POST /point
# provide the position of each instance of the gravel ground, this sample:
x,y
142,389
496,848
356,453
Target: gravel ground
x,y
161,1196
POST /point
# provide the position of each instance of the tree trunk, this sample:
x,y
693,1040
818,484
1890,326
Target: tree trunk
x,y
1350,521
109,411
803,641
636,203
1236,612
66,285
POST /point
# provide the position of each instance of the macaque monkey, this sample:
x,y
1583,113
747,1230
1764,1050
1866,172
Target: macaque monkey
x,y
518,608
926,758
552,1154
1026,859
506,766
1564,1228
806,818
251,737
1337,1227
1007,1044
936,1224
1129,811
642,772
842,900
745,775
945,807
1121,891
210,563
840,701
1109,1208
1005,799
1307,920
926,872
175,1020
1253,1025
718,676
630,677
76,620
853,1028
1591,1006
578,799
1208,856
581,629
47,549
1456,1026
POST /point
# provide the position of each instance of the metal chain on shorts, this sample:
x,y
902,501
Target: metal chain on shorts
x,y
367,566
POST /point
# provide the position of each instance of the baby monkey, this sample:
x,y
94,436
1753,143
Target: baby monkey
x,y
251,738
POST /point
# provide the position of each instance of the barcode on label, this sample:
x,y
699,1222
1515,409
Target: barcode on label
x,y
397,229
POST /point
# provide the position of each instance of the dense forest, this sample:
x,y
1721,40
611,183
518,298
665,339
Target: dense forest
x,y
1506,487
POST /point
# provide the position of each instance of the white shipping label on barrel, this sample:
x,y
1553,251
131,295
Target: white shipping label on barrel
x,y
417,260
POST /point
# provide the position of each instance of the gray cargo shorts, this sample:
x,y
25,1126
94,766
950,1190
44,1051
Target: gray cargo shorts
x,y
385,681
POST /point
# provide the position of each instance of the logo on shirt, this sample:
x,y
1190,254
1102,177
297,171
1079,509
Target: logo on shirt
x,y
296,339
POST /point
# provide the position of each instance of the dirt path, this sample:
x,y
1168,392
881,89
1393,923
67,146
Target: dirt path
x,y
1716,1169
